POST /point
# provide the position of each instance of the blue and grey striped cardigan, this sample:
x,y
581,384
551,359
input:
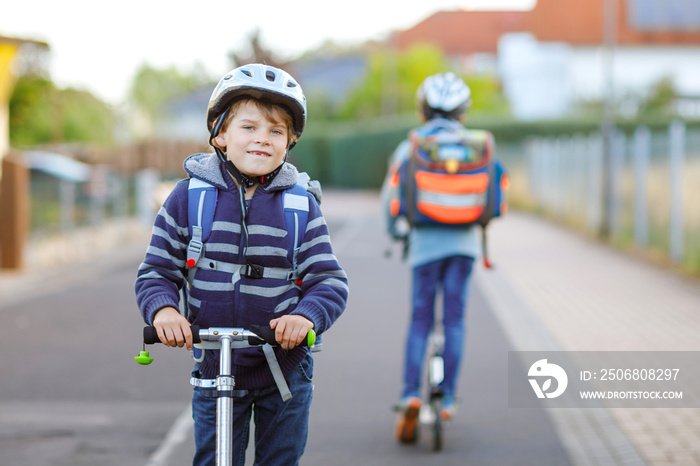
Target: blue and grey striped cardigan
x,y
218,299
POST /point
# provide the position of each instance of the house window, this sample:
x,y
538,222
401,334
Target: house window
x,y
664,15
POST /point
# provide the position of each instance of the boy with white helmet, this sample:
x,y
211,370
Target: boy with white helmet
x,y
441,257
255,115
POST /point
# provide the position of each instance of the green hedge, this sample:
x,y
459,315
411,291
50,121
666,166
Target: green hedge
x,y
350,155
355,155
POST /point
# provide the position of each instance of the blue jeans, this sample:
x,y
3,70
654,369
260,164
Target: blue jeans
x,y
452,276
281,428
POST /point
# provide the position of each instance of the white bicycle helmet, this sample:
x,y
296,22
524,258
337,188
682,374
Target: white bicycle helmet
x,y
259,81
443,95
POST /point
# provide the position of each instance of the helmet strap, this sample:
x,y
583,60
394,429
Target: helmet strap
x,y
219,123
242,179
247,181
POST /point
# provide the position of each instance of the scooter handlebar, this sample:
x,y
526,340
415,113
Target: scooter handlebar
x,y
263,333
150,335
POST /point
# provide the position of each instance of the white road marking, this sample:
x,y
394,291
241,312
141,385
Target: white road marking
x,y
175,436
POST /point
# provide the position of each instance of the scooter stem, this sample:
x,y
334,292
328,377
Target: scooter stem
x,y
224,405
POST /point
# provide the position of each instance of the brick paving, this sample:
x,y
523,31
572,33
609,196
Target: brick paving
x,y
590,297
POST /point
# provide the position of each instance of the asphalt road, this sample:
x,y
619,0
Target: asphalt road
x,y
71,393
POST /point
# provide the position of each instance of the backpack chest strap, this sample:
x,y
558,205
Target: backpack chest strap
x,y
246,270
202,199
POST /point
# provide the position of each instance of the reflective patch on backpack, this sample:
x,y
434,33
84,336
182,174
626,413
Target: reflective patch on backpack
x,y
296,202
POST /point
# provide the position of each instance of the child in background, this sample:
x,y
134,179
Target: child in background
x,y
441,257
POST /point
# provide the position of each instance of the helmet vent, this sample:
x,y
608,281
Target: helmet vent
x,y
258,81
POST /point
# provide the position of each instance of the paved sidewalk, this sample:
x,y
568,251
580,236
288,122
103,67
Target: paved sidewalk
x,y
578,295
54,262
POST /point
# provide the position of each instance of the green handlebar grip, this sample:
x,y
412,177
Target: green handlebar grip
x,y
143,358
311,338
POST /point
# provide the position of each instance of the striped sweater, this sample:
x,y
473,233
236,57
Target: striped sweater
x,y
222,299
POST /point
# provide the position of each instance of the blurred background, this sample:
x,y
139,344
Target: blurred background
x,y
594,104
595,108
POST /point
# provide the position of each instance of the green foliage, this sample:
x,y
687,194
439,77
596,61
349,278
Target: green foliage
x,y
487,97
30,122
393,78
152,87
656,105
351,154
85,117
41,113
355,154
660,99
320,107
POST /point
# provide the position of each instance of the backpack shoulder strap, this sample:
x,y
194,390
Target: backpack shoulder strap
x,y
296,216
201,204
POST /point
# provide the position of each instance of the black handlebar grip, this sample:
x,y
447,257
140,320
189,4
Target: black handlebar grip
x,y
150,335
195,334
265,333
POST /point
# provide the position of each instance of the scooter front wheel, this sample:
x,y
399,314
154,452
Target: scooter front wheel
x,y
436,407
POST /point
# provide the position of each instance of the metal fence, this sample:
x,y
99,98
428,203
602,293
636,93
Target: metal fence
x,y
653,202
650,197
110,185
62,205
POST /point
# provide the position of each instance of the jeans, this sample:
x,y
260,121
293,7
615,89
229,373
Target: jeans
x,y
452,276
281,428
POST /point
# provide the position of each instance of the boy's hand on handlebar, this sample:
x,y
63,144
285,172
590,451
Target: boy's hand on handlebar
x,y
173,328
291,330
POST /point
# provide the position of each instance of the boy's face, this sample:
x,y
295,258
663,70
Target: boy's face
x,y
255,144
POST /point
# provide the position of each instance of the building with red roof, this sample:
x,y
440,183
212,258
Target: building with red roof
x,y
555,53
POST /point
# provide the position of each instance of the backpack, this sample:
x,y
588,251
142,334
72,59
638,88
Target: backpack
x,y
450,178
201,204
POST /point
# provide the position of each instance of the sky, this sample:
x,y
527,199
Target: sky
x,y
98,46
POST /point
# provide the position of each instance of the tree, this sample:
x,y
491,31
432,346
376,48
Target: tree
x,y
487,96
391,82
152,87
257,53
30,121
393,78
659,101
41,113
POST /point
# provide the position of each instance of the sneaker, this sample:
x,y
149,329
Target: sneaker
x,y
449,408
407,425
